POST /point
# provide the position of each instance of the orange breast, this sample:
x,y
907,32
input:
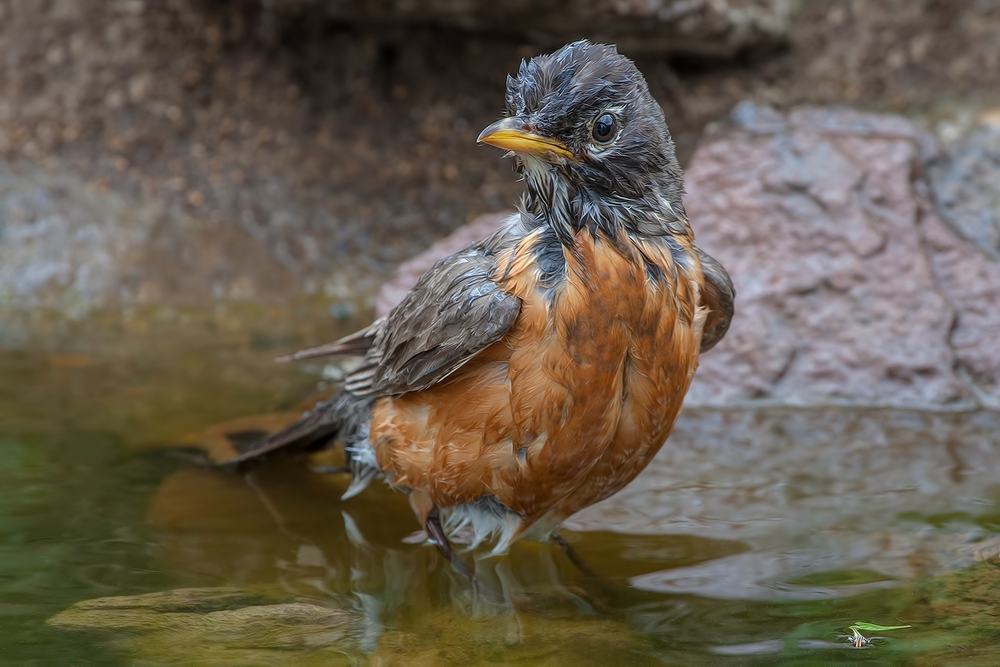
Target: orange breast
x,y
571,404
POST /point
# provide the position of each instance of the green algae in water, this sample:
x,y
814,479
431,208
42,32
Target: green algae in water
x,y
865,626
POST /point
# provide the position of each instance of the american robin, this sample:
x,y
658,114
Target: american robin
x,y
539,370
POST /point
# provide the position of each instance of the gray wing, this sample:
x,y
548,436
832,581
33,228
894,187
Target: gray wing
x,y
454,311
719,295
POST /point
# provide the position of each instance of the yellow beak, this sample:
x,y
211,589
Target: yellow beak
x,y
513,134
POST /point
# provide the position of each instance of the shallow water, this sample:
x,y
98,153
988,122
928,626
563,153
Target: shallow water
x,y
756,537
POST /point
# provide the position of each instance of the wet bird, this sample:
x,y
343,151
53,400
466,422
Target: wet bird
x,y
538,371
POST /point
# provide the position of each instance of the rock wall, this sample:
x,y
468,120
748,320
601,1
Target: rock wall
x,y
703,27
263,157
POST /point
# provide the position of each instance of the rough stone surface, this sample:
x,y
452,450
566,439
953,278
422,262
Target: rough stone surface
x,y
966,187
704,27
220,626
969,278
850,288
817,216
965,247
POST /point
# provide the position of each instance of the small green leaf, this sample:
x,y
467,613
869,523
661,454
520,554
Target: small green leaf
x,y
872,627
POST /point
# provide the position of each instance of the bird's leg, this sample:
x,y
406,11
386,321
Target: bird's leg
x,y
436,532
602,593
440,540
573,556
430,518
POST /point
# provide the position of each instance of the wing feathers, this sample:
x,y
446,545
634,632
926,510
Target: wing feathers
x,y
357,344
718,294
453,312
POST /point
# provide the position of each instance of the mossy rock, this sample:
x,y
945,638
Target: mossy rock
x,y
218,626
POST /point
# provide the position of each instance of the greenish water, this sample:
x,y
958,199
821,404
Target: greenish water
x,y
757,537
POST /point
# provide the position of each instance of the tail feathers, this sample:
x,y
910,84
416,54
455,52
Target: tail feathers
x,y
342,415
357,344
297,436
361,477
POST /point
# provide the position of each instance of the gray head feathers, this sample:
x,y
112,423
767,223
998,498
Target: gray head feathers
x,y
567,92
595,101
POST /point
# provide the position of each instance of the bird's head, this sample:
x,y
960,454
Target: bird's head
x,y
582,119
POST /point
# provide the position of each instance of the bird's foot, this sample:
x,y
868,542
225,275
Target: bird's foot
x,y
573,556
435,532
601,591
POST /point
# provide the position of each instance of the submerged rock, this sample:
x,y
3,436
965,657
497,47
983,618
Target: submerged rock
x,y
814,490
231,626
217,626
967,599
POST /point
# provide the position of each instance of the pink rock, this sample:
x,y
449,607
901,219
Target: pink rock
x,y
816,216
970,280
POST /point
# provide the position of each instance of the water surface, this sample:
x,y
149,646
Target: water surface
x,y
756,537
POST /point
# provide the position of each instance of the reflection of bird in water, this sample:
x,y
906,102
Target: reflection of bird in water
x,y
538,371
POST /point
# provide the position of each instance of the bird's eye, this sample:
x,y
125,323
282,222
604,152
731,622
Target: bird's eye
x,y
604,128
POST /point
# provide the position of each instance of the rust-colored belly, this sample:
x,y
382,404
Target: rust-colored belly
x,y
569,406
